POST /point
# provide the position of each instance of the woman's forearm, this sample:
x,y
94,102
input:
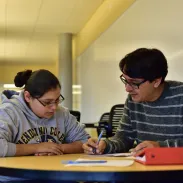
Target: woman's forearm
x,y
25,149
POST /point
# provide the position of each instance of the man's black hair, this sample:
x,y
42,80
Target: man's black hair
x,y
145,63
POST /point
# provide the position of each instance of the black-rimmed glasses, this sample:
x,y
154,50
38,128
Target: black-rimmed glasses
x,y
50,104
133,85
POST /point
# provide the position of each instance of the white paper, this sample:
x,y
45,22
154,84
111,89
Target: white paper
x,y
141,158
116,163
113,155
118,155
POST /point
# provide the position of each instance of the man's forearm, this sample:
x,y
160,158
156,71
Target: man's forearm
x,y
25,149
118,143
114,146
74,147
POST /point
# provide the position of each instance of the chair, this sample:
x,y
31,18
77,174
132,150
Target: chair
x,y
77,114
114,118
110,126
103,124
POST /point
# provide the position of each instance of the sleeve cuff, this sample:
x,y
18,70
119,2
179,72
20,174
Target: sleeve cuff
x,y
163,143
11,149
107,149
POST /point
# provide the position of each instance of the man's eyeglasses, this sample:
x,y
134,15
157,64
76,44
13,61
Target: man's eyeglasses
x,y
50,104
133,85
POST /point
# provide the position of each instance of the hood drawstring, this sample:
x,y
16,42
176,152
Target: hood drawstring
x,y
39,139
45,135
57,130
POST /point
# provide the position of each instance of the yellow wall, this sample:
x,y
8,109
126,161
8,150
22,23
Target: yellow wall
x,y
101,20
9,70
105,15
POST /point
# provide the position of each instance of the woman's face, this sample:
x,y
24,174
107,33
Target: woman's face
x,y
45,106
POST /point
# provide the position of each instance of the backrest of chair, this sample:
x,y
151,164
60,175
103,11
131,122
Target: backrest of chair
x,y
103,118
114,118
77,114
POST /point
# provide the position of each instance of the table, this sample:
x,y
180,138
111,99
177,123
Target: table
x,y
51,168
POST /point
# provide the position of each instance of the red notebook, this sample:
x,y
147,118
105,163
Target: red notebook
x,y
161,156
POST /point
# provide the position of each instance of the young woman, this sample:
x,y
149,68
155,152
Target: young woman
x,y
33,122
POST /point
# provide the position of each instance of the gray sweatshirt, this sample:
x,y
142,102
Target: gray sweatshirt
x,y
19,125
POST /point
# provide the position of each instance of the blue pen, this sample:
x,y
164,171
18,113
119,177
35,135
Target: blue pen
x,y
99,138
80,162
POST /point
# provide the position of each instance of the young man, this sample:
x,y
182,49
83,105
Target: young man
x,y
153,113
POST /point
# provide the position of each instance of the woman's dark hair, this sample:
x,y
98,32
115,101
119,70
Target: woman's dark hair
x,y
37,83
145,63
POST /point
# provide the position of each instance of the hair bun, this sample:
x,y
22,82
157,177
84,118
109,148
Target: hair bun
x,y
22,77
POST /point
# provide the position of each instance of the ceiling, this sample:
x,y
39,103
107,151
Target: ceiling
x,y
29,29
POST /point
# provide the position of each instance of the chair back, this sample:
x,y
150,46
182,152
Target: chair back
x,y
114,118
77,114
104,120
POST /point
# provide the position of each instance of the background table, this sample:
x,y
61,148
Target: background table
x,y
51,168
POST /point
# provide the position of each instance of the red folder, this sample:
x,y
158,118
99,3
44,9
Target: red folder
x,y
161,156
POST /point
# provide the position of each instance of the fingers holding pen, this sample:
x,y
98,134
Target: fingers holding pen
x,y
94,146
89,146
92,142
101,147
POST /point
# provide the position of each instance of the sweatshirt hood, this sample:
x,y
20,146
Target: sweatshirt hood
x,y
17,100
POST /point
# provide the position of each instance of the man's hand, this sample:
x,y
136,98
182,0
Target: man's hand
x,y
49,148
146,144
91,144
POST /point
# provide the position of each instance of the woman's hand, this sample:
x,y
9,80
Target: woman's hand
x,y
45,154
48,148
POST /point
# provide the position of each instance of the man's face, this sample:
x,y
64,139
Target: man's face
x,y
139,89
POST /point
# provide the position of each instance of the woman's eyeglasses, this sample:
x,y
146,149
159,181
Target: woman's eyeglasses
x,y
50,104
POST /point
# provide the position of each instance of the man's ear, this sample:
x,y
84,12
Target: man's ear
x,y
157,82
27,96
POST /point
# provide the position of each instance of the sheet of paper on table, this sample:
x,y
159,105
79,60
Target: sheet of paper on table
x,y
116,163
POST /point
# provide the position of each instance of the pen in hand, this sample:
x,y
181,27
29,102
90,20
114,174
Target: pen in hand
x,y
99,138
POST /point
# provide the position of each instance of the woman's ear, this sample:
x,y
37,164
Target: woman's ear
x,y
157,82
27,96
